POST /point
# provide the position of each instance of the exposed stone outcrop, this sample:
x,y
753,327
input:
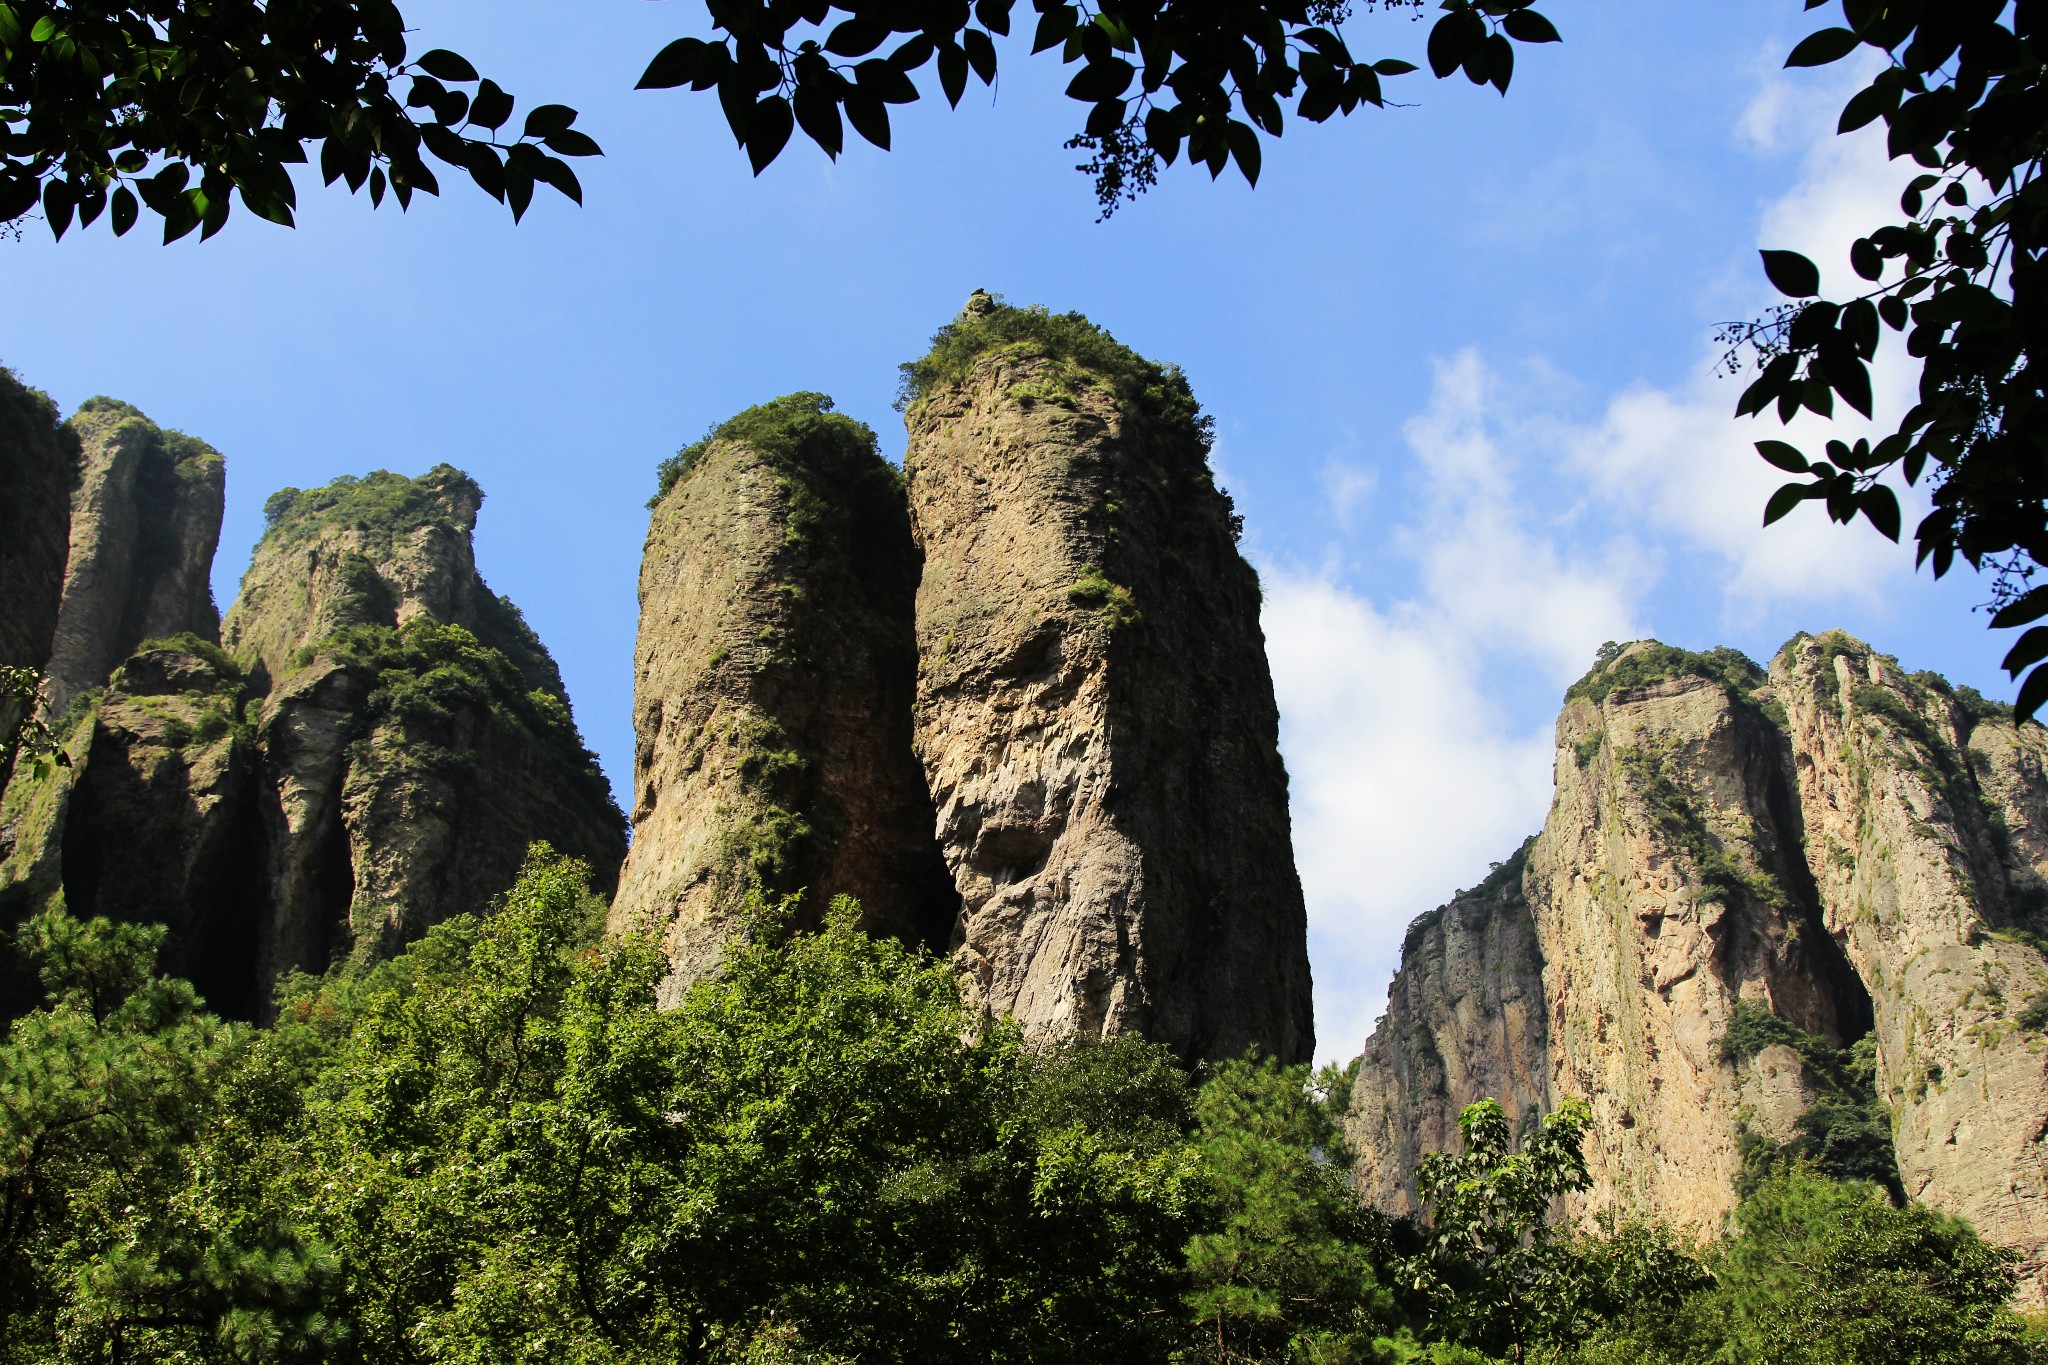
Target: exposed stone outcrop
x,y
145,520
1466,1019
414,736
1923,822
1667,886
1799,914
38,462
773,681
374,551
154,818
1095,714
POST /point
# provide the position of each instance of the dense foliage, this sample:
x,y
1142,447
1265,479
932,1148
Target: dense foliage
x,y
1158,396
1960,273
493,1147
1160,77
107,107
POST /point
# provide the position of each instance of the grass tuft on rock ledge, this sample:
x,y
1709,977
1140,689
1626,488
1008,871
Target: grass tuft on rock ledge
x,y
1158,393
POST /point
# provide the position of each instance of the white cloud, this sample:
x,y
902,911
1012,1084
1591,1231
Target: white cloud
x,y
1409,773
1678,458
1405,781
1408,779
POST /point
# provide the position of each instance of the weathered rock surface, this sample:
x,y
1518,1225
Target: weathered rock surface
x,y
773,681
154,820
38,462
145,521
1466,1019
1094,714
1665,888
374,551
1788,915
1924,832
414,736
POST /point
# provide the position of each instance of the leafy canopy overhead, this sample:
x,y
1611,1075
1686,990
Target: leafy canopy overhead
x,y
107,108
1960,274
1161,78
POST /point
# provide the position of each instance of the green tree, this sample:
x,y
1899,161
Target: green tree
x,y
108,107
1495,1273
1161,78
1833,1273
129,1227
516,1155
178,106
1287,1268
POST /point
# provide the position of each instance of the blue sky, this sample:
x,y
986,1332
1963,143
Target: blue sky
x,y
1457,353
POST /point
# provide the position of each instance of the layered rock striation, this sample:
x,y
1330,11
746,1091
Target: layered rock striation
x,y
1466,1018
1923,807
773,680
145,522
1094,711
1778,916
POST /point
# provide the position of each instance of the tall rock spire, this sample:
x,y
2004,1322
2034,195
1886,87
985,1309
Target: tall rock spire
x,y
38,462
415,735
1094,710
773,681
145,521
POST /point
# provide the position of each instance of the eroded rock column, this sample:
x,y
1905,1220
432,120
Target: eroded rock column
x,y
773,682
145,521
1094,710
1923,810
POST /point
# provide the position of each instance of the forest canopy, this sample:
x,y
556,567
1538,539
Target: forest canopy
x,y
493,1147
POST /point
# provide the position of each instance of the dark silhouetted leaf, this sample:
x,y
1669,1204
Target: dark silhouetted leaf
x,y
445,65
1792,273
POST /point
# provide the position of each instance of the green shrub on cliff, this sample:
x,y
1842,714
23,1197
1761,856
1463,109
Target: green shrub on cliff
x,y
801,434
1157,393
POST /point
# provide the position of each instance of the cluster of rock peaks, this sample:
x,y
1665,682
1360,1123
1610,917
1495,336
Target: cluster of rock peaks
x,y
1786,914
1014,700
364,747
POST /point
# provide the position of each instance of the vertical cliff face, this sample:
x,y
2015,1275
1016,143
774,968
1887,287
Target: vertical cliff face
x,y
773,681
38,462
1094,711
145,521
1466,1019
1667,888
1795,915
414,736
1923,812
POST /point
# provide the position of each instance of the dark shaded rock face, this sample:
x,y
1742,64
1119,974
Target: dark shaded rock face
x,y
155,820
1756,893
38,462
324,795
1465,1019
145,521
414,736
773,683
1094,713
